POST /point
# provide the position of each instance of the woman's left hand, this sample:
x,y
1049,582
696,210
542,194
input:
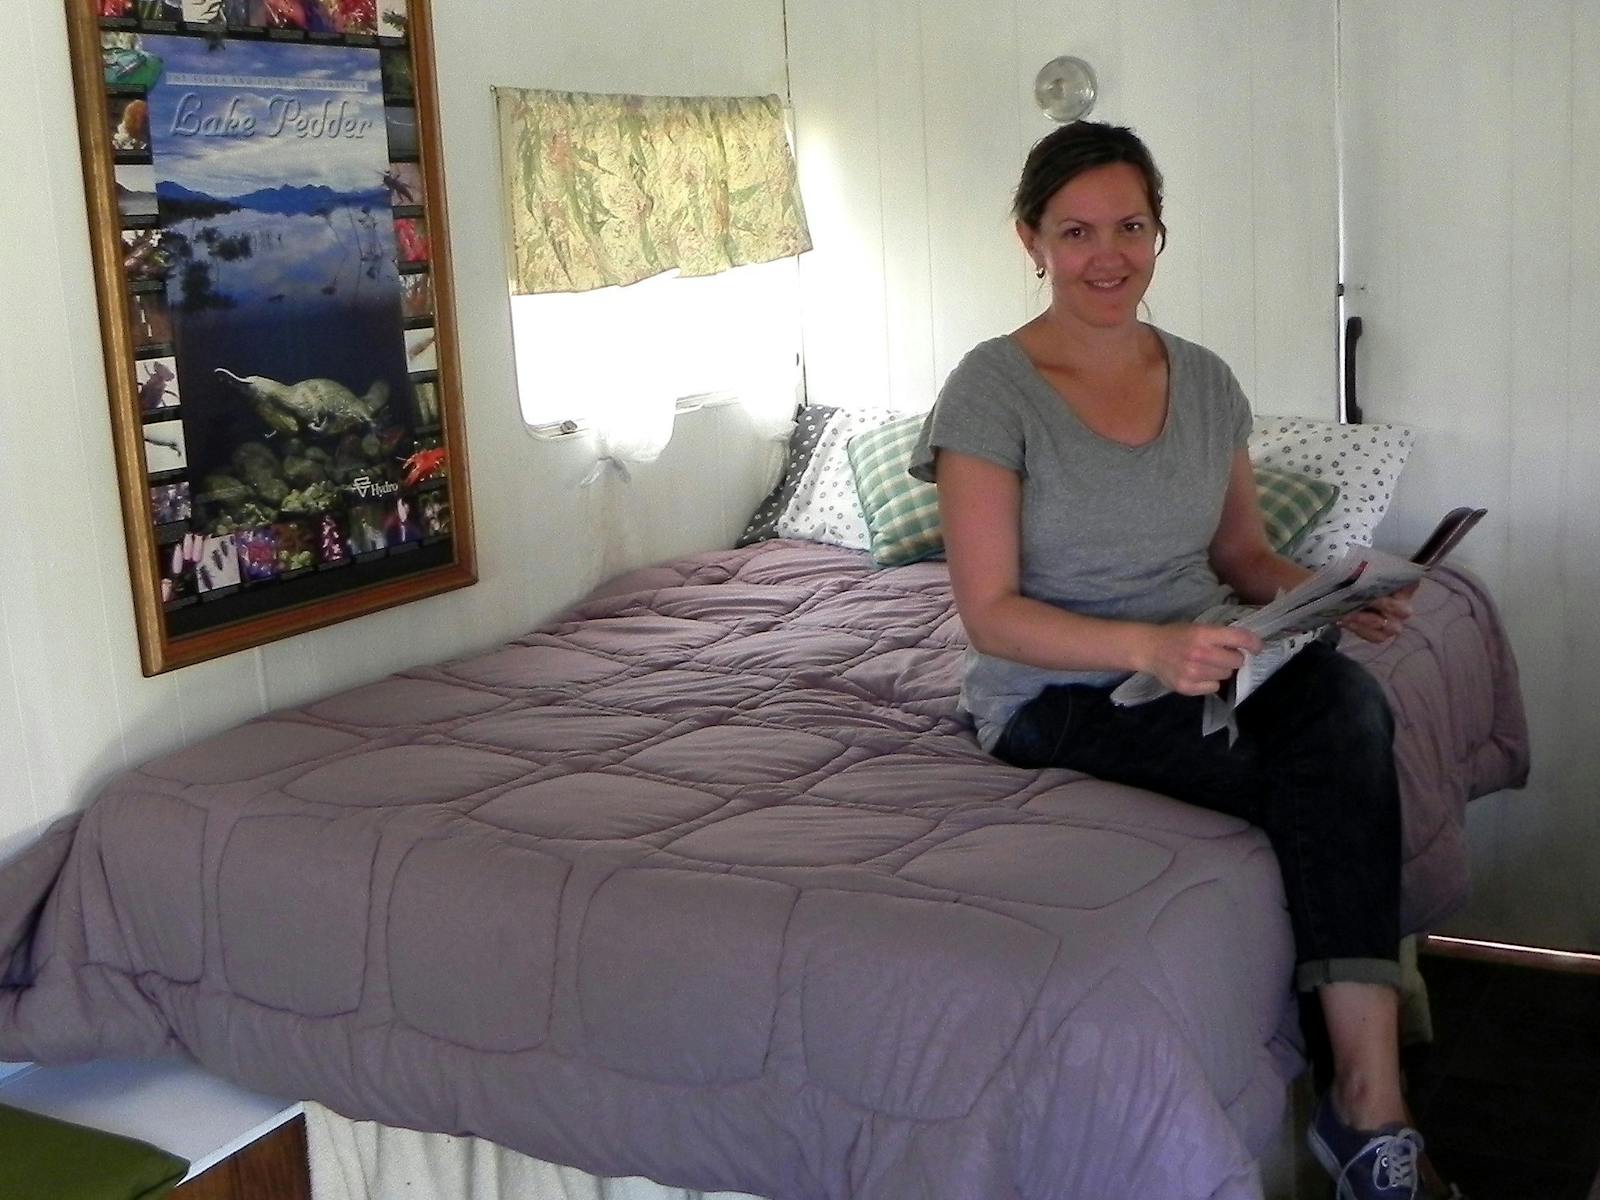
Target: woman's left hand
x,y
1383,618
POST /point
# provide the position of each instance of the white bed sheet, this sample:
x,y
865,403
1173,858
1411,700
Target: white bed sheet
x,y
363,1160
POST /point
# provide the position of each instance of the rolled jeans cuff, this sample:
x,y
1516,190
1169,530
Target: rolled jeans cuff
x,y
1309,976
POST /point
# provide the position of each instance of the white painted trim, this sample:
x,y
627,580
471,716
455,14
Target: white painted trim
x,y
551,431
239,1142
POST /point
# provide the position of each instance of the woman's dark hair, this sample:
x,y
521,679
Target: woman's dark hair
x,y
1065,153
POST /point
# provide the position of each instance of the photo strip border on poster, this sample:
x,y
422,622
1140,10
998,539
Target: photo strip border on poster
x,y
271,255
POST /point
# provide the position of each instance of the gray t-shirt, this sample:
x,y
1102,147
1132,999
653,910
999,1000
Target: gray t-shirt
x,y
1107,530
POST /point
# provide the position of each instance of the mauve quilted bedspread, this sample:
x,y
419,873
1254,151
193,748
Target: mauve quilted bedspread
x,y
707,882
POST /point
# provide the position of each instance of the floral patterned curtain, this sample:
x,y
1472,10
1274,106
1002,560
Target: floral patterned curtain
x,y
608,190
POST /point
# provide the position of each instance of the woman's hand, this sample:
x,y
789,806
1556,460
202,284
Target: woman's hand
x,y
1383,618
1193,660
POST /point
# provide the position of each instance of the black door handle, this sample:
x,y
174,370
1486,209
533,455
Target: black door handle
x,y
1352,335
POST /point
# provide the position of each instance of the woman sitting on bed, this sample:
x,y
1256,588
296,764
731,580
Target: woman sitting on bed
x,y
1096,497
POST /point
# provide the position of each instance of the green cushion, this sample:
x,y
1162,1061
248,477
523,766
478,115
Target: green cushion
x,y
902,512
1291,504
54,1160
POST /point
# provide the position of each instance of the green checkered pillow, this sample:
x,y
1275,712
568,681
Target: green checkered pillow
x,y
1291,505
902,513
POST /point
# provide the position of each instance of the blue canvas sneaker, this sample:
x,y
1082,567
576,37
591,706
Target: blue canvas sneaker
x,y
1378,1164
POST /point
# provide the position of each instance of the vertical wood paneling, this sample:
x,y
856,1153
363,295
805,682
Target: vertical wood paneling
x,y
1160,104
293,672
19,813
66,573
836,145
1250,268
1470,144
1458,288
1578,748
743,444
903,172
1450,242
1294,209
1533,418
19,809
219,694
1217,133
972,130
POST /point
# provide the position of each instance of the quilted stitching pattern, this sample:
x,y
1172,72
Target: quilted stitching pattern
x,y
708,879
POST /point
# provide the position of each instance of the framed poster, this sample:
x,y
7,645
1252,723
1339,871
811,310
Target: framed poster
x,y
268,224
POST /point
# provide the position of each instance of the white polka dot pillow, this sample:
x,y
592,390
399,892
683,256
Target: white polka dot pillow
x,y
825,507
809,422
1363,461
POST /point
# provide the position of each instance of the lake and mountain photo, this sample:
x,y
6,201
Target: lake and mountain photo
x,y
271,164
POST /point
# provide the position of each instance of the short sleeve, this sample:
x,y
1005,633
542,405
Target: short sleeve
x,y
977,413
1241,419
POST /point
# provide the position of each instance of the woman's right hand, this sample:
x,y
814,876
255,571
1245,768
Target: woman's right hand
x,y
1194,660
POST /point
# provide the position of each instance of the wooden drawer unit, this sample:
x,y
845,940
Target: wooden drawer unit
x,y
270,1168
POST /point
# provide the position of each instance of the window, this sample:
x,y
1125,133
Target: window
x,y
652,242
734,332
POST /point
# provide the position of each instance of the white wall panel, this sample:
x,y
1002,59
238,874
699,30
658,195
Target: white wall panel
x,y
1576,751
970,121
1295,243
836,142
76,708
65,576
912,135
898,39
19,815
1470,168
1195,75
1532,418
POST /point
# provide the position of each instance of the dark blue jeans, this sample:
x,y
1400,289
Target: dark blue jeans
x,y
1313,767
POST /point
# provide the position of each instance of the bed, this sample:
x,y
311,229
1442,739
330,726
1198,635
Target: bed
x,y
707,881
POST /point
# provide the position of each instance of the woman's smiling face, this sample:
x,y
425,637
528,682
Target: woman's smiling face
x,y
1096,241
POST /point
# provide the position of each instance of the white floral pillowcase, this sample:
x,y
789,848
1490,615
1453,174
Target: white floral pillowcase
x,y
825,507
1363,460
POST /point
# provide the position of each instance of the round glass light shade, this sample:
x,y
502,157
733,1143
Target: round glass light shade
x,y
1064,88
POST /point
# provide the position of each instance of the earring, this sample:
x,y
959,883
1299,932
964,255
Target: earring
x,y
1039,273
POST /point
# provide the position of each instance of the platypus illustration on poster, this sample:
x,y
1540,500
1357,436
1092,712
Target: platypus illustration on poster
x,y
322,405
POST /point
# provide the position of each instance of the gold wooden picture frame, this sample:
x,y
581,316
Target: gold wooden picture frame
x,y
271,253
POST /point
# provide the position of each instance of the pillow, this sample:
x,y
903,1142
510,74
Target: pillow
x,y
41,1156
902,513
825,507
810,421
1364,461
1291,505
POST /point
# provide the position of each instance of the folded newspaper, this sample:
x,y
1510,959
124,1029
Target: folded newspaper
x,y
1351,582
